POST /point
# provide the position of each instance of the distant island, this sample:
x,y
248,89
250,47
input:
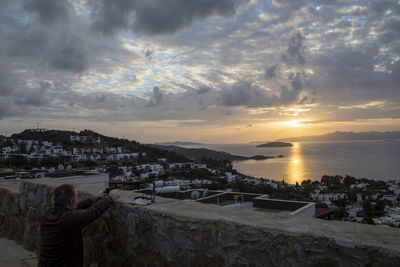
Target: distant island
x,y
262,157
346,136
199,153
276,144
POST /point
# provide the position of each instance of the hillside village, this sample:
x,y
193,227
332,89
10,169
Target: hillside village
x,y
134,166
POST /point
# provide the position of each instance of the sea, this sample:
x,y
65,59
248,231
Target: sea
x,y
377,159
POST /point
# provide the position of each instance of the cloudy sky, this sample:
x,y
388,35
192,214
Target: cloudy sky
x,y
216,71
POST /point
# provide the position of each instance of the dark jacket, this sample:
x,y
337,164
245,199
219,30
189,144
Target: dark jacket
x,y
61,233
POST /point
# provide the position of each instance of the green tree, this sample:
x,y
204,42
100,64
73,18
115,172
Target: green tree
x,y
321,205
331,180
352,196
113,170
18,160
341,213
89,163
379,208
349,180
22,148
49,162
368,220
341,202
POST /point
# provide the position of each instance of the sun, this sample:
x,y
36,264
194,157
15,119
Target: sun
x,y
295,123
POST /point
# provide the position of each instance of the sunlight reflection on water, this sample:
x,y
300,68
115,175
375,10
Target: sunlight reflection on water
x,y
295,166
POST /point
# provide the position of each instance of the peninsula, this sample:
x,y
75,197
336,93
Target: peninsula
x,y
276,144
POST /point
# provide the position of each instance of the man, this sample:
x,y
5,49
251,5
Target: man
x,y
61,226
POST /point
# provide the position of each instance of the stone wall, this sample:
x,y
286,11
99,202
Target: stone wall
x,y
183,233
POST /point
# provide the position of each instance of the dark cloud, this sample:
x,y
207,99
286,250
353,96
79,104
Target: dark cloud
x,y
288,96
7,108
245,94
96,101
43,49
303,100
7,83
31,44
3,111
270,72
156,98
33,97
148,53
390,30
201,102
295,51
100,98
157,16
110,16
203,90
297,80
378,8
358,73
237,95
70,54
49,11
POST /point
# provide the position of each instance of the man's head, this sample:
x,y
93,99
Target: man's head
x,y
65,196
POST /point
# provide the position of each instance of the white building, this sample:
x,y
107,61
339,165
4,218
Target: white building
x,y
150,167
273,185
36,156
352,210
144,175
327,197
362,186
391,198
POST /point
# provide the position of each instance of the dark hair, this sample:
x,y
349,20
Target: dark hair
x,y
63,194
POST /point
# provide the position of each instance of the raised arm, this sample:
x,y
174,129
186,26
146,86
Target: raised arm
x,y
82,217
86,203
78,219
83,204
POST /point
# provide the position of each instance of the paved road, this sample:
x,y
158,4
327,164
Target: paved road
x,y
12,254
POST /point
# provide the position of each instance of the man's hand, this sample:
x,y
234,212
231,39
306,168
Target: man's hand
x,y
99,195
114,194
